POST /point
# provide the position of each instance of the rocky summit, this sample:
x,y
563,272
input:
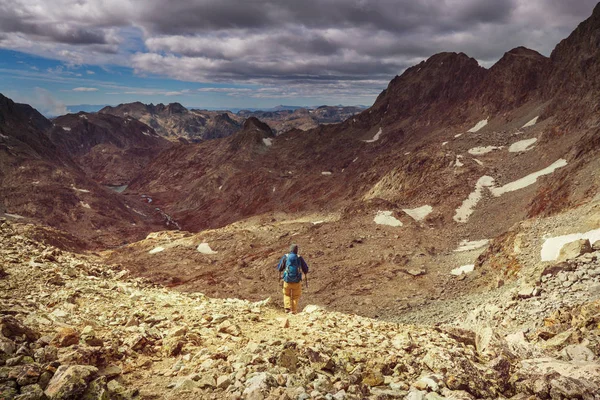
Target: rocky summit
x,y
73,327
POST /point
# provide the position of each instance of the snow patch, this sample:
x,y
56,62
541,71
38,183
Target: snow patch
x,y
79,190
552,246
479,125
477,151
527,180
465,269
419,213
66,128
478,162
458,163
268,142
375,138
318,222
156,250
326,173
204,248
83,116
522,145
84,205
147,133
444,143
386,218
468,245
458,135
531,123
15,216
466,209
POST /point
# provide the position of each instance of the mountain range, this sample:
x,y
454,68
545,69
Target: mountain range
x,y
452,231
451,155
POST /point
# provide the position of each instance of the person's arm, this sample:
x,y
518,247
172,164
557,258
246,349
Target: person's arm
x,y
304,265
281,265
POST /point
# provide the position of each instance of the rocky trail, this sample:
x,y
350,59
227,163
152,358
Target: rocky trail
x,y
73,327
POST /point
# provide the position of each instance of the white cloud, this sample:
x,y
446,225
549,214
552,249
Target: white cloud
x,y
85,89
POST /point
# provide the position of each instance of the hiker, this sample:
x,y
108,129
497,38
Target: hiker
x,y
292,267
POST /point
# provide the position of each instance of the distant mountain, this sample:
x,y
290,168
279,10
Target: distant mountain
x,y
89,108
285,118
41,181
110,149
175,121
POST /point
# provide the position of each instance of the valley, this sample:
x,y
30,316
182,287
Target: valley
x,y
452,231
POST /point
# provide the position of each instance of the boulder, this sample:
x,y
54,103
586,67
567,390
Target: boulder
x,y
27,374
259,385
223,382
97,390
288,359
12,328
578,352
30,392
70,382
65,337
574,249
172,346
88,335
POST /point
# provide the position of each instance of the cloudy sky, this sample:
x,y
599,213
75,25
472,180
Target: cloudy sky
x,y
252,53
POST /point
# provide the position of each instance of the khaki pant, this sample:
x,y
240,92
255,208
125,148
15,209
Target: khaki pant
x,y
291,295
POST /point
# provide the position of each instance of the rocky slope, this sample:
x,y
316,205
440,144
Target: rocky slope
x,y
110,150
41,182
73,327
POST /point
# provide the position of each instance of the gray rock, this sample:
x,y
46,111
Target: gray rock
x,y
70,382
574,249
185,384
258,386
31,392
578,352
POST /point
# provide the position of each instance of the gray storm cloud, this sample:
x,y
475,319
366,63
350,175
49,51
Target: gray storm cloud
x,y
320,42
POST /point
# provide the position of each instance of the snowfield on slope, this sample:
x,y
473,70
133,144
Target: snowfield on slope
x,y
468,245
465,269
522,145
466,209
204,248
531,123
477,151
528,180
375,138
552,246
478,126
419,213
386,218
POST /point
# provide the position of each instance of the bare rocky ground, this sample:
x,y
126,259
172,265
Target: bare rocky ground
x,y
73,327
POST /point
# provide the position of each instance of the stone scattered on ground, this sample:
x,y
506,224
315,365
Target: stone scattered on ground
x,y
75,328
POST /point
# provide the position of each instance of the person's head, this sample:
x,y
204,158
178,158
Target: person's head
x,y
294,248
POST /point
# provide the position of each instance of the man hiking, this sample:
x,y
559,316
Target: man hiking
x,y
292,267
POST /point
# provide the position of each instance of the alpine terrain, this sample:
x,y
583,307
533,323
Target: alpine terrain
x,y
452,231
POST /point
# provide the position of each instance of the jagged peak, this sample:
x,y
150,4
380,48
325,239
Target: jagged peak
x,y
256,124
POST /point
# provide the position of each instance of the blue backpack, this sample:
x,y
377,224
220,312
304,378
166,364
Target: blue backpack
x,y
293,270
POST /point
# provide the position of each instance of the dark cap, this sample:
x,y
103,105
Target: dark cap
x,y
294,249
